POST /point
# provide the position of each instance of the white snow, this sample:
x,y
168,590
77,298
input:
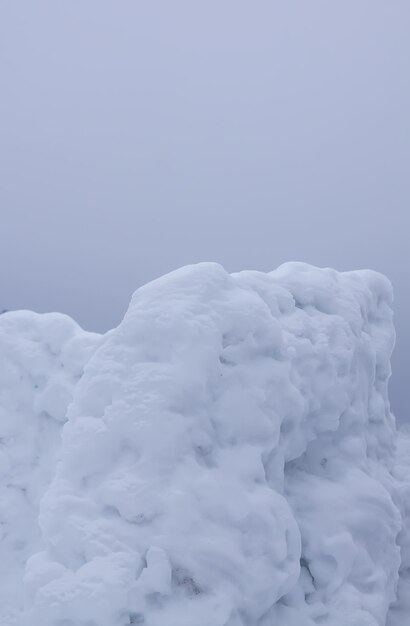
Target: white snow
x,y
41,360
228,458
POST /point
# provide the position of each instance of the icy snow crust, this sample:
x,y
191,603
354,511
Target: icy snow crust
x,y
229,457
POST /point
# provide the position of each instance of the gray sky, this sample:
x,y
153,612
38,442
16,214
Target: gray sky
x,y
138,136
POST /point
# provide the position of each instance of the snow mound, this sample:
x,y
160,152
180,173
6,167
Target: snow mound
x,y
41,360
229,458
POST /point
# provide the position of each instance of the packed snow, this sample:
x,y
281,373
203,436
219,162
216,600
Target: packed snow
x,y
41,360
226,456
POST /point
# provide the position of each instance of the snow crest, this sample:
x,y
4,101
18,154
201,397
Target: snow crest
x,y
228,459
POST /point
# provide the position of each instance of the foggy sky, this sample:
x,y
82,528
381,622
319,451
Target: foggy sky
x,y
138,136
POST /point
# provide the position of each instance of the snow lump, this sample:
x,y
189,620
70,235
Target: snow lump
x,y
225,457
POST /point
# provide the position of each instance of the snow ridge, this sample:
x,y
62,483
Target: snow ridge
x,y
228,459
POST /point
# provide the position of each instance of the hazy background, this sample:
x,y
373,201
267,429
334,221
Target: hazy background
x,y
137,136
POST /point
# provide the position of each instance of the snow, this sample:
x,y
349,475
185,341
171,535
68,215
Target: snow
x,y
225,457
41,361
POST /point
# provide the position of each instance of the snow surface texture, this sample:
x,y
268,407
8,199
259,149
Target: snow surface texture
x,y
41,360
229,458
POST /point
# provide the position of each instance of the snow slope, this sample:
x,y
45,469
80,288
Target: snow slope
x,y
229,457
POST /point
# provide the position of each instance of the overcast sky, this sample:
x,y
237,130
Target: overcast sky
x,y
141,135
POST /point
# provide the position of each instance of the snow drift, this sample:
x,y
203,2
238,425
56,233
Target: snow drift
x,y
228,457
41,360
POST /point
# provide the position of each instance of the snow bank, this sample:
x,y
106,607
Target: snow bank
x,y
229,459
400,610
41,360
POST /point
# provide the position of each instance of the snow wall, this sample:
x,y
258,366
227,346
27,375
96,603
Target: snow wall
x,y
225,457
